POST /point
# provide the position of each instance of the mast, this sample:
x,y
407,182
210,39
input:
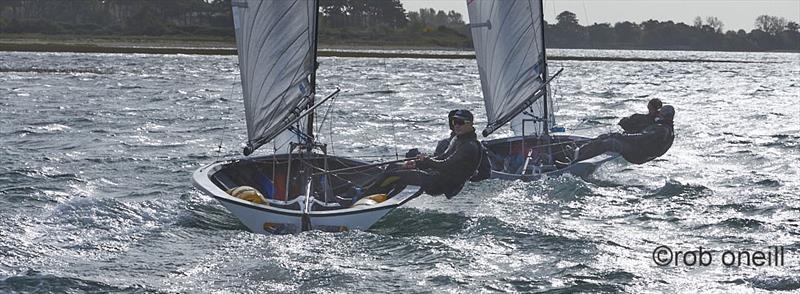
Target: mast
x,y
310,125
308,176
546,131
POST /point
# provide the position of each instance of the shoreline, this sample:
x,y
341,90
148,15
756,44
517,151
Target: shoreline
x,y
333,51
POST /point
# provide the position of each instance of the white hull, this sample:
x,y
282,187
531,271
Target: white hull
x,y
266,219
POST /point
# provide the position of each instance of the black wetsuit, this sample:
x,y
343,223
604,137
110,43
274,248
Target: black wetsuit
x,y
455,166
442,174
442,145
637,122
637,148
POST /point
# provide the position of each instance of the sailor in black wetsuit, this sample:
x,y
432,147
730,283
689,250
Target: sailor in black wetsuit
x,y
442,145
652,142
637,122
443,174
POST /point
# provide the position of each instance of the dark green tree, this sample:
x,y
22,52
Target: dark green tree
x,y
628,33
567,19
792,26
601,35
770,24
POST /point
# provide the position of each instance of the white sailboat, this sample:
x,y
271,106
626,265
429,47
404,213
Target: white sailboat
x,y
508,37
303,188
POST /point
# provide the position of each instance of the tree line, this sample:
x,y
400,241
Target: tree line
x,y
770,33
116,17
386,23
379,23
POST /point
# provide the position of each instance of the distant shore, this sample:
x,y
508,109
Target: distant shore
x,y
224,47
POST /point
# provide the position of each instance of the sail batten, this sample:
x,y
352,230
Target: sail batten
x,y
509,49
275,40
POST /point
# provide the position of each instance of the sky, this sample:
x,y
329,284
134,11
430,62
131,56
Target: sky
x,y
734,14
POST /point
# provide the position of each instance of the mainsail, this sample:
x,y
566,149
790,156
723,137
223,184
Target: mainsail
x,y
275,40
509,47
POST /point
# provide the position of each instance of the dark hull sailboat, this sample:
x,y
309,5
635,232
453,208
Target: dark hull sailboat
x,y
521,158
508,37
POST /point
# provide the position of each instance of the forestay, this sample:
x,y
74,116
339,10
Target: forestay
x,y
275,40
509,47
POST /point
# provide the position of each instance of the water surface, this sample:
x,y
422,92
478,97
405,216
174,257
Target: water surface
x,y
98,149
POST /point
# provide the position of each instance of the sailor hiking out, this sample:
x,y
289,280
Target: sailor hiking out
x,y
637,122
638,148
445,173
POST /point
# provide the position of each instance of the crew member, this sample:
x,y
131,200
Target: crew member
x,y
637,122
636,148
442,174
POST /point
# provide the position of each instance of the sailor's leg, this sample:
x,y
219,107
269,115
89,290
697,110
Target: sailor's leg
x,y
591,149
381,185
618,145
600,146
396,180
412,177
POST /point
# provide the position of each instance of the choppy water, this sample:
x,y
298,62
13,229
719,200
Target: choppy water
x,y
97,152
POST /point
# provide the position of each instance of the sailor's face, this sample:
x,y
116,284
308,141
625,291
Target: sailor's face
x,y
461,126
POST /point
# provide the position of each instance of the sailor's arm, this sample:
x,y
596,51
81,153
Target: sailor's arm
x,y
648,134
634,123
466,152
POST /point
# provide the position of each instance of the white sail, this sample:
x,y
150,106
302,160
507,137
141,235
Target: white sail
x,y
275,42
509,47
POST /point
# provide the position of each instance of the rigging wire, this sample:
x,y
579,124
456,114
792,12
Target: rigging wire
x,y
394,136
330,136
586,13
394,130
330,125
553,91
321,123
230,98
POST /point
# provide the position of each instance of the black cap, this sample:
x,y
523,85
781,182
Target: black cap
x,y
654,104
463,114
451,113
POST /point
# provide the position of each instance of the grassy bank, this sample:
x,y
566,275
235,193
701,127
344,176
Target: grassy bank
x,y
223,46
120,41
